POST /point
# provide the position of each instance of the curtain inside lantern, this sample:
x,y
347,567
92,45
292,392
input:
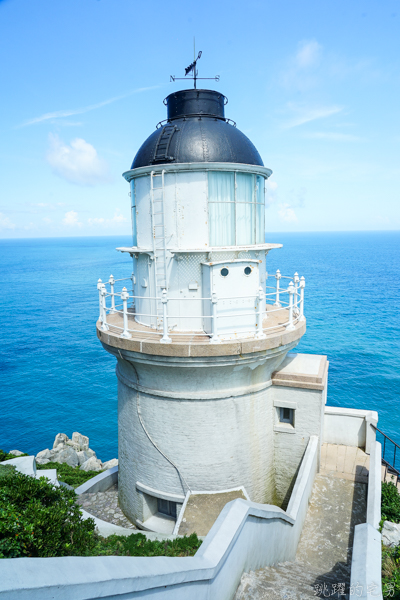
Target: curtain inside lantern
x,y
245,210
133,202
260,217
221,198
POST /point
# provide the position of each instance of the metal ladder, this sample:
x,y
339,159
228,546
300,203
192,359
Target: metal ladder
x,y
159,245
162,147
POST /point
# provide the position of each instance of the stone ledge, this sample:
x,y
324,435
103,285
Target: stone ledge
x,y
306,371
202,348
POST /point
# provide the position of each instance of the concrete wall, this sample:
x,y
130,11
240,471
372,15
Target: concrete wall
x,y
290,442
245,536
204,433
366,561
350,427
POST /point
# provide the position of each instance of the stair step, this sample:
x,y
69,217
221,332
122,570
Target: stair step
x,y
291,580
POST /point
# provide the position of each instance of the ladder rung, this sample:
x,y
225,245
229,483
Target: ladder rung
x,y
159,213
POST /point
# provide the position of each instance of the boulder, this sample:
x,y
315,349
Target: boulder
x,y
81,440
65,454
58,448
72,444
391,534
84,455
92,464
110,463
43,457
61,438
16,452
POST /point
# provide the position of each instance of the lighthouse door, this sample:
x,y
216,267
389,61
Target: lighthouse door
x,y
235,284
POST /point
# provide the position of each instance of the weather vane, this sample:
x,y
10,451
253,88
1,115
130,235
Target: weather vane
x,y
192,68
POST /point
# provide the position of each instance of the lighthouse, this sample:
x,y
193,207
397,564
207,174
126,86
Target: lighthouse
x,y
200,328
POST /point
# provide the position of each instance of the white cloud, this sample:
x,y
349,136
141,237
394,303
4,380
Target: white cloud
x,y
286,213
77,162
307,114
308,54
271,186
334,136
117,219
59,114
5,222
301,70
71,219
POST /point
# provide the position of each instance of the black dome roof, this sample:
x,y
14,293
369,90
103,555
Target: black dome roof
x,y
196,131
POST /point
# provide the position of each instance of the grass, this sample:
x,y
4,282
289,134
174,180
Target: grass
x,y
390,504
137,544
390,507
71,475
38,519
6,456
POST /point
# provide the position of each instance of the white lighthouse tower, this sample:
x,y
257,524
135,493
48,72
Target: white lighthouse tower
x,y
199,328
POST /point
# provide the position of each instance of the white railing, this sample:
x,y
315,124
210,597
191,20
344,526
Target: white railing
x,y
294,306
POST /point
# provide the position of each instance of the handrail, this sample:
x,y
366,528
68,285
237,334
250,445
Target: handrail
x,y
257,308
389,467
386,436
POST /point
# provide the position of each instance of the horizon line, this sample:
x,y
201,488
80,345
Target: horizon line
x,y
61,237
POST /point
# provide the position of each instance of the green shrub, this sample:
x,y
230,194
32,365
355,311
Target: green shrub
x,y
137,544
7,471
38,519
391,572
390,503
7,456
71,475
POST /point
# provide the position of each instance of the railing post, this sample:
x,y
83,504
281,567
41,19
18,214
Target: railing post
x,y
214,300
165,338
103,292
277,276
290,326
124,298
302,286
260,333
111,281
99,285
296,280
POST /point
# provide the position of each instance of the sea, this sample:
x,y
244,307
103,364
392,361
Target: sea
x,y
56,377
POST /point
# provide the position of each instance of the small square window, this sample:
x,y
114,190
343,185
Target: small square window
x,y
165,507
286,415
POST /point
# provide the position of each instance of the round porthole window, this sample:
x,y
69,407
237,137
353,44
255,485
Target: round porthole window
x,y
224,272
247,270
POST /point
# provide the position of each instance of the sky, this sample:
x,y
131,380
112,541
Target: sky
x,y
314,84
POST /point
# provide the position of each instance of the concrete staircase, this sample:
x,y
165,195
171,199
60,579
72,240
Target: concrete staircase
x,y
323,559
291,581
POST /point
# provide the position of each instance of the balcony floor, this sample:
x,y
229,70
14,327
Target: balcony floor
x,y
192,343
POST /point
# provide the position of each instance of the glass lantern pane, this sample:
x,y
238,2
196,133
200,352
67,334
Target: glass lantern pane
x,y
221,208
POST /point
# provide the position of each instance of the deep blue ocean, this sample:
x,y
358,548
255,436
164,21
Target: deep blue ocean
x,y
56,377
